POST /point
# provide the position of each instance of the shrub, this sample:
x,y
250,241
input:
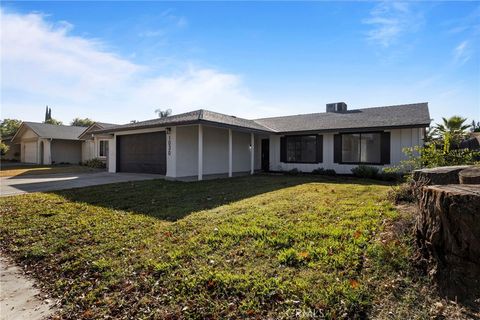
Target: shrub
x,y
95,163
294,172
324,172
3,149
401,193
388,175
432,156
367,172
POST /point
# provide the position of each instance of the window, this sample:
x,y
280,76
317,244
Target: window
x,y
361,148
301,149
103,152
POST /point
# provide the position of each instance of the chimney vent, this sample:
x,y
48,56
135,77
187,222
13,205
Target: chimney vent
x,y
337,107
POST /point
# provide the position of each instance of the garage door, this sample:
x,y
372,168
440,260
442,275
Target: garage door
x,y
30,152
142,153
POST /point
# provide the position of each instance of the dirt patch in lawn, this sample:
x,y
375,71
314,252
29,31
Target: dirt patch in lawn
x,y
41,170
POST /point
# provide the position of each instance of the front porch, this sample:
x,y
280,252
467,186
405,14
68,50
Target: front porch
x,y
197,152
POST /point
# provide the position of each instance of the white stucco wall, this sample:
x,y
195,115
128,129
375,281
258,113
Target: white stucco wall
x,y
215,150
399,139
88,150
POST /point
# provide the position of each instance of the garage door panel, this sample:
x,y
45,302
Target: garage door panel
x,y
30,150
142,153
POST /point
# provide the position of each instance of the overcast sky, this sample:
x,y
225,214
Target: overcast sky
x,y
119,61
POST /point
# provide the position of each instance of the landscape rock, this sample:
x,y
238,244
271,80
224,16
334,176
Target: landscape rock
x,y
448,234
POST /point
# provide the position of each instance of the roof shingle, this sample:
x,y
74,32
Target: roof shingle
x,y
52,131
378,117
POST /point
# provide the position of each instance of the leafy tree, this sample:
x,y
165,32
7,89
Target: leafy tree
x,y
78,122
452,129
53,121
163,113
8,127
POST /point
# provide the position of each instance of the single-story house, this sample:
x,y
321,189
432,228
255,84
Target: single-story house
x,y
95,146
42,143
203,142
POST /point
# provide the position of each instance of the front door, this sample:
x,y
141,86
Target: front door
x,y
265,154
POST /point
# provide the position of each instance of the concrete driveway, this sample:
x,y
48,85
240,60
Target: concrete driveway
x,y
38,183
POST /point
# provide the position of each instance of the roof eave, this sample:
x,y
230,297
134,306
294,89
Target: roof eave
x,y
357,129
179,123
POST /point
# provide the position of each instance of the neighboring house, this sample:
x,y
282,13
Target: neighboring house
x,y
13,153
42,143
203,142
95,146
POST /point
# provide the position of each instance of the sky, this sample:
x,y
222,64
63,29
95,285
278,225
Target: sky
x,y
119,61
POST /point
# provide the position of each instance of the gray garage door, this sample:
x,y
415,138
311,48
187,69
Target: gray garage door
x,y
144,152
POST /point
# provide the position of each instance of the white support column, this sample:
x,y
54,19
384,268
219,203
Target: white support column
x,y
230,148
200,152
252,151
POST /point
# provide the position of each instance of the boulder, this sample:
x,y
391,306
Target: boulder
x,y
448,234
439,175
470,175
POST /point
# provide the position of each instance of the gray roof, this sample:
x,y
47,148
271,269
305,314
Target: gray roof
x,y
53,131
198,116
95,126
408,115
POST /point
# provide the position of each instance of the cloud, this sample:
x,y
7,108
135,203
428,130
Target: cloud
x,y
42,63
462,52
391,20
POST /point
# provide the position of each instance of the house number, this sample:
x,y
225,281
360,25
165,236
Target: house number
x,y
169,146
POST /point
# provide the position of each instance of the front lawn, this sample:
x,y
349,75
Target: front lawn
x,y
251,247
27,170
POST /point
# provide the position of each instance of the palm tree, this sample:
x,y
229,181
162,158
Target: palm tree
x,y
163,113
452,129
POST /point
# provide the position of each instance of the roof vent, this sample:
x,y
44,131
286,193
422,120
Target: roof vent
x,y
337,107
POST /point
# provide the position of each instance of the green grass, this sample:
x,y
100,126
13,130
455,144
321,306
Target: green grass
x,y
244,247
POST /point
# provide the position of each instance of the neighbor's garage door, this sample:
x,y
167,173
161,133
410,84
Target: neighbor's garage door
x,y
144,152
30,152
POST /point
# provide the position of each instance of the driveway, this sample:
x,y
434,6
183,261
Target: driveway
x,y
39,183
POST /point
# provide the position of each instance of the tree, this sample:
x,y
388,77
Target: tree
x,y
475,126
49,119
78,122
8,127
53,121
452,129
163,113
3,149
48,114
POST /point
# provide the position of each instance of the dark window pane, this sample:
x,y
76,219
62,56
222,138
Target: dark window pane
x,y
351,148
301,148
370,147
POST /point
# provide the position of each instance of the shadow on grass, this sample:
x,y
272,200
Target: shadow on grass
x,y
173,200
